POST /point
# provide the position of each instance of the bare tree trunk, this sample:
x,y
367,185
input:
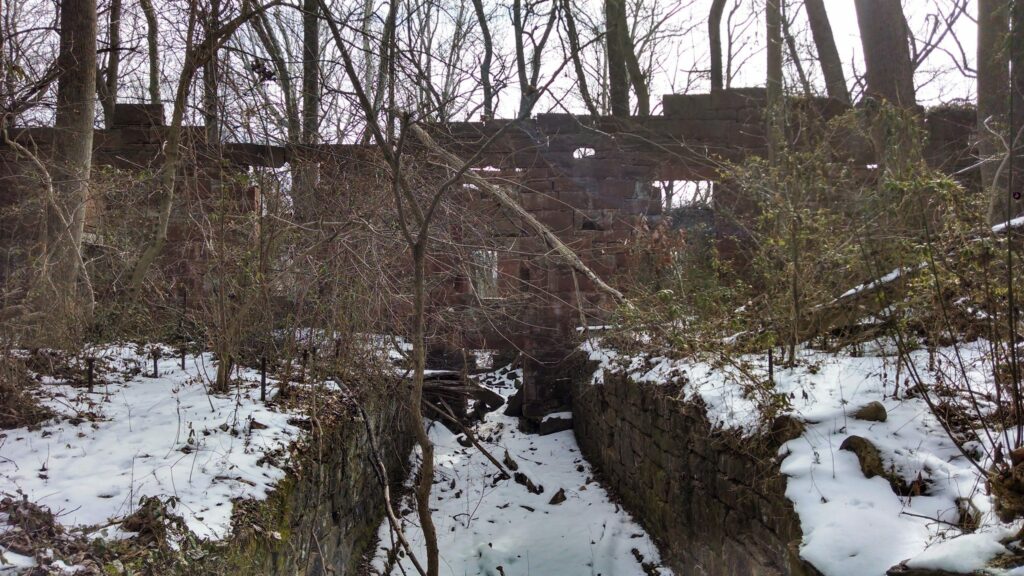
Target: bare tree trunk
x,y
384,85
367,36
636,75
76,89
518,30
618,75
883,34
485,65
794,251
152,35
211,80
307,173
1011,202
828,54
577,61
268,37
993,99
773,20
795,55
426,480
529,74
108,89
195,57
715,37
311,72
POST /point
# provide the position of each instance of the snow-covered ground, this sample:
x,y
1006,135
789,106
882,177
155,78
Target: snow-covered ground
x,y
852,525
500,528
142,436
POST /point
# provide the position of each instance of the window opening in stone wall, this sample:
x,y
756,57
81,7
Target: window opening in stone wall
x,y
485,273
686,193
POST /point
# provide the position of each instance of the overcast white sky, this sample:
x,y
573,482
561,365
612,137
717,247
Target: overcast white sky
x,y
938,79
681,59
930,91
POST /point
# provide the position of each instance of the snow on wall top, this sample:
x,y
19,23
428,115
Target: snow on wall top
x,y
852,525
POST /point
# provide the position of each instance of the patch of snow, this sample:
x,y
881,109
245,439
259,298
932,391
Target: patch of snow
x,y
14,563
484,358
1015,223
965,554
852,525
558,416
163,437
594,328
891,276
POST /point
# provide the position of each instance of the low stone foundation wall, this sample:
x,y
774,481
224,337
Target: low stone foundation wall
x,y
715,501
324,515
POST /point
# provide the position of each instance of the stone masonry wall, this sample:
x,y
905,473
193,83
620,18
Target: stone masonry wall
x,y
714,501
323,517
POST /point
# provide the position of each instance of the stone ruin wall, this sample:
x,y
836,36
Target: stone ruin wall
x,y
714,500
589,179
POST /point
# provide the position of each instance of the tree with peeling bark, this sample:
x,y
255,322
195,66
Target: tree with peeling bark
x,y
1008,203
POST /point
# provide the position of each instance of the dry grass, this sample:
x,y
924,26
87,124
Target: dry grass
x,y
18,408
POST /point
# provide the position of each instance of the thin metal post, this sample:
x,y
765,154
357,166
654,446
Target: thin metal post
x,y
263,378
90,363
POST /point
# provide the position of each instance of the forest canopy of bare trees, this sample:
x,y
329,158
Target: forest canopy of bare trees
x,y
365,196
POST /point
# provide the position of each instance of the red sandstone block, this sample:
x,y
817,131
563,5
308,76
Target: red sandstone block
x,y
536,173
638,171
654,207
538,185
527,245
509,266
575,198
621,188
581,240
537,201
603,265
557,220
606,201
503,225
595,168
616,236
562,283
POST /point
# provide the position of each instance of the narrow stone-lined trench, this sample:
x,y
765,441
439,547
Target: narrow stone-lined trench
x,y
567,524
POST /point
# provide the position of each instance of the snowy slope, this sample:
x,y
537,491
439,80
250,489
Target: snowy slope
x,y
852,525
499,528
144,436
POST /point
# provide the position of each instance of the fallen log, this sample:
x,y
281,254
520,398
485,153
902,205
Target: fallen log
x,y
490,398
